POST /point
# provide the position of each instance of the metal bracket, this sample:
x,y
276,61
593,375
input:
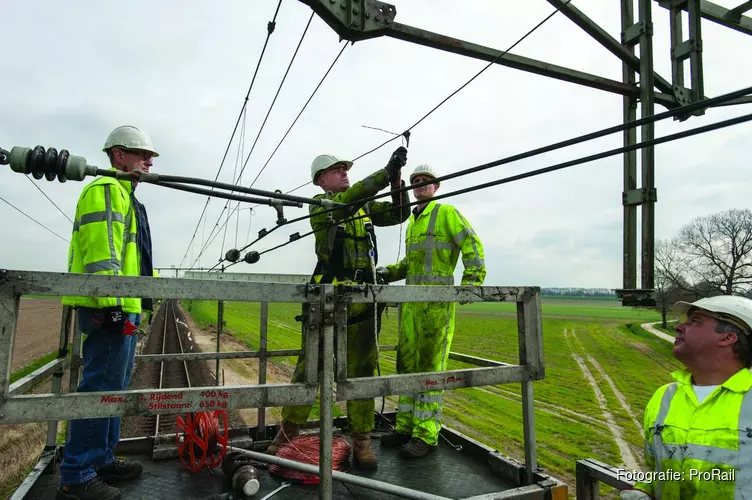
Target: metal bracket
x,y
631,35
354,19
683,96
639,196
317,318
684,49
636,297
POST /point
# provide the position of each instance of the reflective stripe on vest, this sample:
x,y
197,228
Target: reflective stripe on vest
x,y
741,458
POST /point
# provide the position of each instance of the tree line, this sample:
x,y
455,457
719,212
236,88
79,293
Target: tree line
x,y
710,256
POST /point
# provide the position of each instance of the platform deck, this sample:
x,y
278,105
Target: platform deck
x,y
446,472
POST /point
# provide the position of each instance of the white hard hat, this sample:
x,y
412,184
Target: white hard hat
x,y
129,137
322,162
426,170
734,309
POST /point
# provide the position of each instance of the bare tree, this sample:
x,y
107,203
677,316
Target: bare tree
x,y
711,255
670,282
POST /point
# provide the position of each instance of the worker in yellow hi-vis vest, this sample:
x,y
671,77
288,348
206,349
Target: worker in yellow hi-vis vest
x,y
698,429
111,237
437,235
347,253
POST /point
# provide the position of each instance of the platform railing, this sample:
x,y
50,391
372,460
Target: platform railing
x,y
327,305
590,473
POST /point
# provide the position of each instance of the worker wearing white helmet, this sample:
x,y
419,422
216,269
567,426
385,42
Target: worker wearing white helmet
x,y
437,234
346,252
111,237
699,428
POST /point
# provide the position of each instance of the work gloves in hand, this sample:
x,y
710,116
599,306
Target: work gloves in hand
x,y
382,275
396,162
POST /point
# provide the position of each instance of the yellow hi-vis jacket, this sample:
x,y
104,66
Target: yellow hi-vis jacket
x,y
104,240
433,244
699,450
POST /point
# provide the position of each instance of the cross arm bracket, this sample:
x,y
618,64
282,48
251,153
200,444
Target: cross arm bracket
x,y
354,19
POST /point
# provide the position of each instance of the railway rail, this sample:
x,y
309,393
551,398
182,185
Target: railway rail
x,y
169,334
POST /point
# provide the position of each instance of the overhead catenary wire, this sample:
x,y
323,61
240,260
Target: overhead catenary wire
x,y
310,98
241,146
258,135
269,30
552,168
450,95
33,219
300,113
688,108
50,200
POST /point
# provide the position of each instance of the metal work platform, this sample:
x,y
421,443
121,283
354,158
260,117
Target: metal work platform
x,y
460,468
465,470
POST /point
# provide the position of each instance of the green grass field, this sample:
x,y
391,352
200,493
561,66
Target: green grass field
x,y
569,420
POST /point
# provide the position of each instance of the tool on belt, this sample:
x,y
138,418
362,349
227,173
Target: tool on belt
x,y
113,319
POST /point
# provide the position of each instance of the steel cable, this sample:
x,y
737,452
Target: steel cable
x,y
269,30
469,81
533,173
261,129
50,200
33,219
450,95
323,78
535,152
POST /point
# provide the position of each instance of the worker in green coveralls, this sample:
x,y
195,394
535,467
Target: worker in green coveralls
x,y
347,253
437,235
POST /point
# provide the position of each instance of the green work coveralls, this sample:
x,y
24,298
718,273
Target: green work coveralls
x,y
435,239
341,250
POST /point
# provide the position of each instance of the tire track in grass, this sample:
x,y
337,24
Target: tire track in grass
x,y
627,456
604,376
617,392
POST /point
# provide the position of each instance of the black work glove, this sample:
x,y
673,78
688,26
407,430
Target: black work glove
x,y
110,319
382,275
396,162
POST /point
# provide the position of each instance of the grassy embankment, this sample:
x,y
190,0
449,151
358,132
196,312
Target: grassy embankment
x,y
569,420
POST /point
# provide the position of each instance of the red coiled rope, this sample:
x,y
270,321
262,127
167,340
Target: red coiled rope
x,y
200,439
306,449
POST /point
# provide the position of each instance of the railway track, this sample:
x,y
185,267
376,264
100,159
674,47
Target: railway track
x,y
169,335
172,374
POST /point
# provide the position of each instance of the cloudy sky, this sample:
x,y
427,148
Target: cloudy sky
x,y
180,70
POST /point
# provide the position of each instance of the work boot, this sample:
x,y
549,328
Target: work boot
x,y
417,448
364,457
287,431
394,439
94,489
119,470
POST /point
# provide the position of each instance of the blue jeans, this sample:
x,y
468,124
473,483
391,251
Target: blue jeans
x,y
107,366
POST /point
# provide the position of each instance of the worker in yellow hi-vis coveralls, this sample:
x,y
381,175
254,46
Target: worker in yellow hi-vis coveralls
x,y
437,234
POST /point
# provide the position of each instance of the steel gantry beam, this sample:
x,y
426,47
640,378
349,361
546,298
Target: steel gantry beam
x,y
730,18
356,20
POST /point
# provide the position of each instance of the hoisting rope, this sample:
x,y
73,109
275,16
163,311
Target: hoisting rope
x,y
200,439
305,449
